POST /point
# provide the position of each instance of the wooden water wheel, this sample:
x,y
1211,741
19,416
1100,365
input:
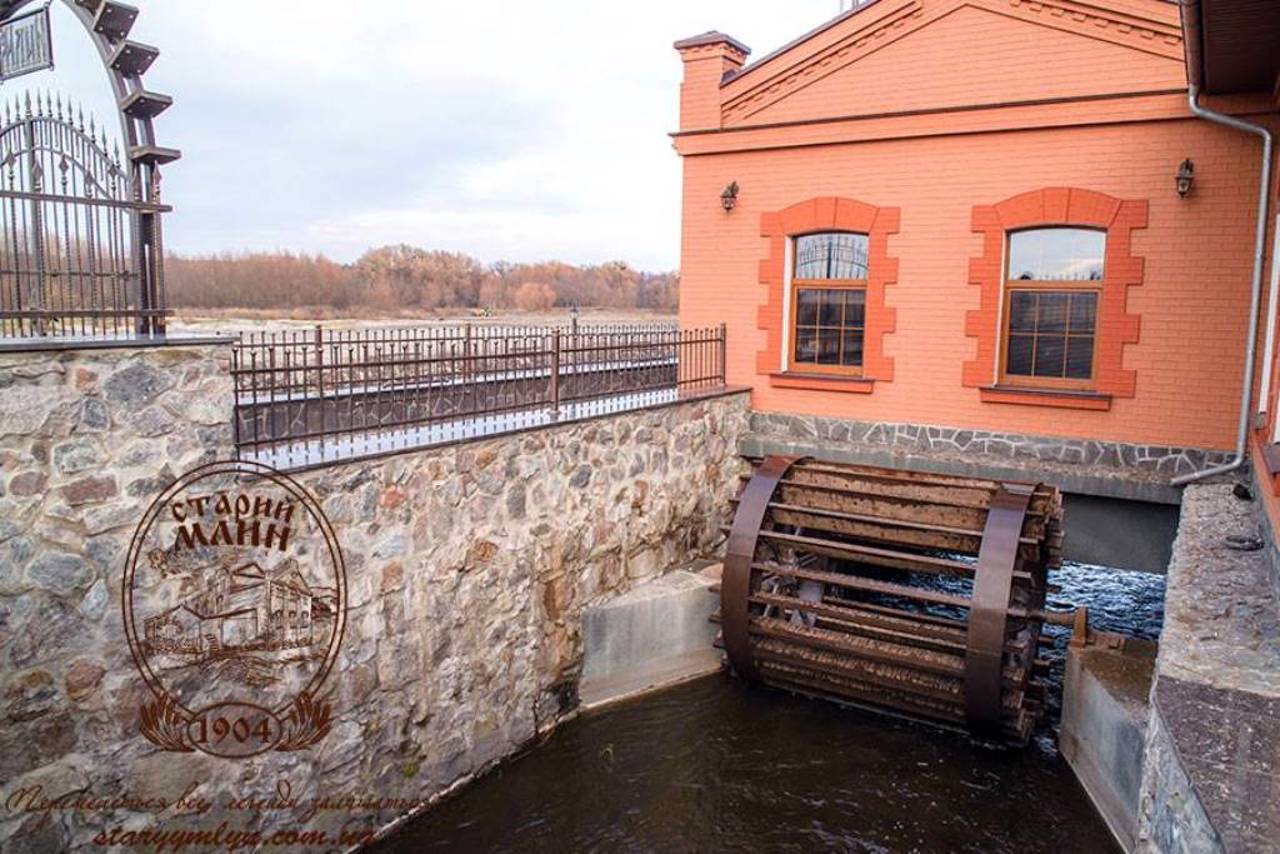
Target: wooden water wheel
x,y
917,594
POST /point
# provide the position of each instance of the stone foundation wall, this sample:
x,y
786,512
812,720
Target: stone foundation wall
x,y
1115,469
468,566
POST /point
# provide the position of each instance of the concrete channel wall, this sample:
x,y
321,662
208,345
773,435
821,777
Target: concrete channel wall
x,y
1212,767
469,569
657,635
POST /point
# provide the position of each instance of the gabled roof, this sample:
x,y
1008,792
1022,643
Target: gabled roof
x,y
799,40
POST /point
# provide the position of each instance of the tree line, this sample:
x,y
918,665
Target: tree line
x,y
406,278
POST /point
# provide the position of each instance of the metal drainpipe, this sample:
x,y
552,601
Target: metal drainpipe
x,y
1255,300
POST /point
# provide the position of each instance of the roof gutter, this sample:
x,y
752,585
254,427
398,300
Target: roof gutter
x,y
1195,64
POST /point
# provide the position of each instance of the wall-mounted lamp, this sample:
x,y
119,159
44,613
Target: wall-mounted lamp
x,y
1185,178
729,197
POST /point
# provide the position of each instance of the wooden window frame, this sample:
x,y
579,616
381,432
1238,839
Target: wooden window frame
x,y
1115,328
815,216
1046,383
796,285
1093,286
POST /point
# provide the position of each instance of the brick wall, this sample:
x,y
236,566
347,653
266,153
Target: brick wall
x,y
1123,136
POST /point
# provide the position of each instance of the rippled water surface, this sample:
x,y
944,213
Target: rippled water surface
x,y
717,765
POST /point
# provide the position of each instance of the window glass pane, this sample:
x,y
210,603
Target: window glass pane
x,y
1019,359
806,345
832,308
855,308
829,327
1051,354
834,255
1052,316
1079,357
851,352
807,307
829,347
1051,334
1057,254
1022,311
1084,308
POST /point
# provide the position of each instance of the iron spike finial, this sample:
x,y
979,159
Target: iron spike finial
x,y
28,102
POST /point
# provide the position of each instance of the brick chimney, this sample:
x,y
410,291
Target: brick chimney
x,y
708,58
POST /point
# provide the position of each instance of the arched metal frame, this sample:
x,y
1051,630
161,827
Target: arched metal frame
x,y
107,24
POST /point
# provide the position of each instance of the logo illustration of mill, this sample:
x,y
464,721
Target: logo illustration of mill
x,y
234,600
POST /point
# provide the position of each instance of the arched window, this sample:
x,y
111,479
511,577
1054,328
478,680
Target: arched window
x,y
1053,282
829,298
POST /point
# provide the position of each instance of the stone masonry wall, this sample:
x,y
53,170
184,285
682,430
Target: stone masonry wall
x,y
1139,460
1118,469
468,566
1210,776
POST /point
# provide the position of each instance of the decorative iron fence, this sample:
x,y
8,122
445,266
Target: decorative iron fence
x,y
310,398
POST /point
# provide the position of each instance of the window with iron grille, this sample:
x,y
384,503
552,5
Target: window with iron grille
x,y
829,296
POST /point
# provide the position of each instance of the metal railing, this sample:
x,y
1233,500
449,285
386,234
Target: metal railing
x,y
320,396
81,254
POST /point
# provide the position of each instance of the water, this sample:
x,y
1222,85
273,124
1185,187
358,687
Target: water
x,y
718,765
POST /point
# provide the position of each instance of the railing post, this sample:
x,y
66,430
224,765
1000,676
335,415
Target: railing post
x,y
235,386
468,373
319,360
724,329
555,374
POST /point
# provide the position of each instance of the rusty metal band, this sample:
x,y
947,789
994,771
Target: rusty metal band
x,y
992,586
735,582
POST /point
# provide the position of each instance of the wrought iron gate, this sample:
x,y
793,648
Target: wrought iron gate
x,y
81,236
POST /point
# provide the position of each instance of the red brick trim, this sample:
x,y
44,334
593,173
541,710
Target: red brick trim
x,y
1060,206
1035,397
822,382
830,214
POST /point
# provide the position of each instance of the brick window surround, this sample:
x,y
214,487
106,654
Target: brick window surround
x,y
828,214
1116,328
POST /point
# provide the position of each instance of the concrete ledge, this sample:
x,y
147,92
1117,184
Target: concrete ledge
x,y
654,636
43,345
1104,722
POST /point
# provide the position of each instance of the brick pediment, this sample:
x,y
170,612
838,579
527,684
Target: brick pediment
x,y
910,55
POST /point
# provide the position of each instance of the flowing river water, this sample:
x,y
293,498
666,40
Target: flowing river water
x,y
718,765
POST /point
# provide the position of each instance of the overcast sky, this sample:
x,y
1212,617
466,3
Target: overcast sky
x,y
510,130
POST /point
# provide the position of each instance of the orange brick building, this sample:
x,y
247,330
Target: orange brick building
x,y
966,214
